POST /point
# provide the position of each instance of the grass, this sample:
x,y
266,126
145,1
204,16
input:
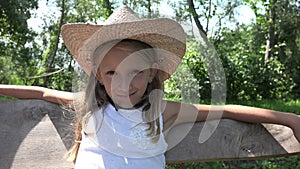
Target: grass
x,y
292,162
4,98
292,106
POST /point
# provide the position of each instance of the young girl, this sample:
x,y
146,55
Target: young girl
x,y
122,118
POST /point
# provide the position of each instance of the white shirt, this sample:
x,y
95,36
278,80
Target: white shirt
x,y
118,140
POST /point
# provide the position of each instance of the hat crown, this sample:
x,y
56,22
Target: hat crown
x,y
165,35
122,14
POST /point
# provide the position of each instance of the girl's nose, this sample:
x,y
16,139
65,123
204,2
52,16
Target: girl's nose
x,y
124,84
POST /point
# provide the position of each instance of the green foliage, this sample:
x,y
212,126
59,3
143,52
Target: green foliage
x,y
183,85
26,56
56,58
272,163
287,48
203,165
249,77
145,8
17,46
13,16
92,11
292,106
287,35
191,75
3,98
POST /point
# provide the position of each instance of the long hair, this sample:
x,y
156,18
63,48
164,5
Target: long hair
x,y
95,96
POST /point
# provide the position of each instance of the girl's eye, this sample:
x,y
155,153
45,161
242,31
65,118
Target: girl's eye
x,y
136,72
110,73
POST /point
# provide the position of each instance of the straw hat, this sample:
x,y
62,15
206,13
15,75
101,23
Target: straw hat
x,y
164,35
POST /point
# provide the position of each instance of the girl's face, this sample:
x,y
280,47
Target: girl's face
x,y
125,75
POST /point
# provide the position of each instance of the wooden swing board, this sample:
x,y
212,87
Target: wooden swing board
x,y
232,140
35,133
29,139
42,147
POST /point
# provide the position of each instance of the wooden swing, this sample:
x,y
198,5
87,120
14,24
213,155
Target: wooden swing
x,y
36,133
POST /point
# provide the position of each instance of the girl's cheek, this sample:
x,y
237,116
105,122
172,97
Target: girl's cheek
x,y
108,86
139,80
113,82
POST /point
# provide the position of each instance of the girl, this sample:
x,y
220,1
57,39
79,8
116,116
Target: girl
x,y
122,118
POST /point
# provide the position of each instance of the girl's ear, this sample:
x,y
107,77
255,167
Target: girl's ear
x,y
97,75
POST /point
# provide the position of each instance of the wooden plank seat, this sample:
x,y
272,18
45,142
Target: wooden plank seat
x,y
36,133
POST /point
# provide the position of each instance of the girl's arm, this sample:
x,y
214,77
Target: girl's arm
x,y
176,113
36,92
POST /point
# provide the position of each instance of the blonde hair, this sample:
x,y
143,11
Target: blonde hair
x,y
96,97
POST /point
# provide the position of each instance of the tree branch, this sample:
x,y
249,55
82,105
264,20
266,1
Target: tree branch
x,y
202,32
46,74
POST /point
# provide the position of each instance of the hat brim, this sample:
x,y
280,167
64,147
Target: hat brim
x,y
164,35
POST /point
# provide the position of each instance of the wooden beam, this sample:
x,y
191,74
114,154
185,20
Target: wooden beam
x,y
29,138
36,133
233,140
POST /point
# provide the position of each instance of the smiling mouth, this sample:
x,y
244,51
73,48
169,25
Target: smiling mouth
x,y
125,95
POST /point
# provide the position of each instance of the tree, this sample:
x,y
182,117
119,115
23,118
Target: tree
x,y
40,58
51,57
17,45
271,13
278,33
57,66
144,7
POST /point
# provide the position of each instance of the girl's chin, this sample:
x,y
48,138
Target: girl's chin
x,y
125,104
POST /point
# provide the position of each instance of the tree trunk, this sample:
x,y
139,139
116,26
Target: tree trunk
x,y
208,17
271,33
195,16
191,20
52,58
202,32
149,8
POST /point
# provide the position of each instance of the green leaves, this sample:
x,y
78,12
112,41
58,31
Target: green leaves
x,y
248,76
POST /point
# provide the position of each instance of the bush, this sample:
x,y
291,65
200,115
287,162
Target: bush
x,y
248,75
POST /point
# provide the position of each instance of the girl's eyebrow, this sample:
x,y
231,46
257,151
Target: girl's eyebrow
x,y
106,67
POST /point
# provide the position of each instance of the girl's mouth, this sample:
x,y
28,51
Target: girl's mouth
x,y
125,95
